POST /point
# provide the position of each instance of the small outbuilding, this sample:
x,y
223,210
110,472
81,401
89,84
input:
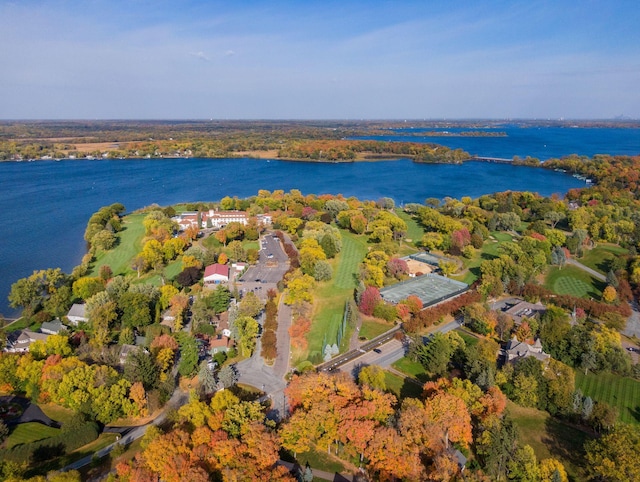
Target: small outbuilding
x,y
216,273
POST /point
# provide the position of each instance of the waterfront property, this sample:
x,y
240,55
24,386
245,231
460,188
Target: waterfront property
x,y
217,219
77,314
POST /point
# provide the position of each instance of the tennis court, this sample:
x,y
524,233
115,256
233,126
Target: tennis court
x,y
430,288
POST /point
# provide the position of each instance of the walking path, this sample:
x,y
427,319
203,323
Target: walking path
x,y
592,272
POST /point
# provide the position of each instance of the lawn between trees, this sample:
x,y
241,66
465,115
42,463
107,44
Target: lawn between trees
x,y
332,295
623,393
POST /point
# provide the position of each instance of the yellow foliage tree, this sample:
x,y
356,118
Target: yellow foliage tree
x,y
609,294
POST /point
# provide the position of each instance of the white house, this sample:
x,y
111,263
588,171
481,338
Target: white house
x,y
216,273
52,327
19,342
78,314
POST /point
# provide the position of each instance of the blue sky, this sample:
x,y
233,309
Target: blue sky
x,y
188,59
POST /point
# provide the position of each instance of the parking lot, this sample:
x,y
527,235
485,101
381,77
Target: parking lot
x,y
272,264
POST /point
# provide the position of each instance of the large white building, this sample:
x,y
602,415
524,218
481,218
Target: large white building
x,y
217,219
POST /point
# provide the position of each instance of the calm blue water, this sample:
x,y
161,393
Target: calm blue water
x,y
45,205
541,142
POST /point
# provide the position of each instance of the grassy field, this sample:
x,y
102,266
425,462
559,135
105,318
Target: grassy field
x,y
571,280
129,245
411,368
550,437
401,387
333,294
318,459
489,251
414,230
57,413
599,257
469,339
30,432
413,236
620,392
370,328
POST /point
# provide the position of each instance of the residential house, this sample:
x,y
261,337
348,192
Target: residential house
x,y
221,322
128,349
168,319
517,350
523,310
20,341
219,343
52,327
216,273
77,314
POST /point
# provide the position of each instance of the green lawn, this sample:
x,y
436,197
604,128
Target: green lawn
x,y
571,280
402,387
413,236
411,368
469,339
129,245
488,251
370,329
318,459
620,392
599,257
173,269
30,432
414,230
332,295
56,412
550,437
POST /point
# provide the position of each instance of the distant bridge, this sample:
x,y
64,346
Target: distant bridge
x,y
501,160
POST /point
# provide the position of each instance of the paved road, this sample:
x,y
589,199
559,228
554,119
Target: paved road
x,y
390,352
129,434
633,322
592,272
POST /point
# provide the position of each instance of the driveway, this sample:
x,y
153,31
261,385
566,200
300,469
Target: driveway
x,y
253,371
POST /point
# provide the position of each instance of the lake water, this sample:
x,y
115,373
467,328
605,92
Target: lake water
x,y
541,142
45,205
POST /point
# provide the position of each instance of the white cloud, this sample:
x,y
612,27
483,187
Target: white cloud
x,y
200,55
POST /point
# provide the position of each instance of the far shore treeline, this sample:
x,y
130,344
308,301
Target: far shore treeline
x,y
328,141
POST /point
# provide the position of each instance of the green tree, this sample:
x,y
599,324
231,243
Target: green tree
x,y
140,367
524,465
188,355
497,446
135,308
250,305
87,286
152,254
248,331
206,378
373,376
436,354
614,456
104,240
